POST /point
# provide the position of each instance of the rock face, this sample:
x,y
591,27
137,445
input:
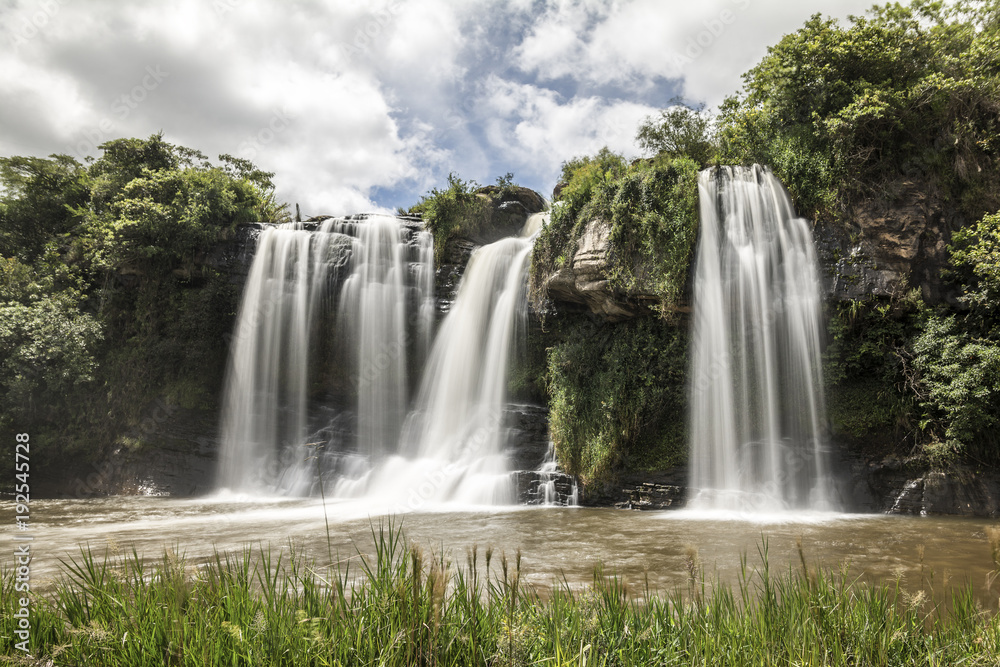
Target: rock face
x,y
889,245
892,486
584,279
641,491
508,211
178,458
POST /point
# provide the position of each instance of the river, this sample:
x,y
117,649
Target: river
x,y
557,543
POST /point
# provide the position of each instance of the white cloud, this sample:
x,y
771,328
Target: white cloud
x,y
380,96
256,79
641,42
538,130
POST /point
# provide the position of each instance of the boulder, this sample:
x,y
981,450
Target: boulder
x,y
584,279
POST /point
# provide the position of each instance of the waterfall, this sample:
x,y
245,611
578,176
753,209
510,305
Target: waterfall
x,y
376,270
372,321
452,446
757,406
354,298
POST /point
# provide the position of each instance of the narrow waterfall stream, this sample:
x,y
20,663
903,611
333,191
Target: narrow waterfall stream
x,y
757,406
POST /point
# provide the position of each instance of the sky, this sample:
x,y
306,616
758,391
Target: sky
x,y
365,105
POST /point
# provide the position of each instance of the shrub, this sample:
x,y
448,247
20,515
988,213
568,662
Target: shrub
x,y
451,210
652,208
617,396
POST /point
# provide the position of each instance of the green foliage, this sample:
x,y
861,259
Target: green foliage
x,y
961,378
400,607
652,209
679,131
105,306
454,209
46,356
581,178
654,226
617,396
153,205
975,252
839,112
958,356
869,397
37,201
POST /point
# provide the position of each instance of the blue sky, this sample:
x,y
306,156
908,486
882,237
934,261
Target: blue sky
x,y
361,105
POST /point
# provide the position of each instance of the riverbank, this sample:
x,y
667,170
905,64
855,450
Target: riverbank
x,y
407,606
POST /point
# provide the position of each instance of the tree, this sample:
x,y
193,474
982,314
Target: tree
x,y
679,131
38,201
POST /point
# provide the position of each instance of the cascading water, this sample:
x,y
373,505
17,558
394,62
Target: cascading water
x,y
452,447
757,406
365,286
288,313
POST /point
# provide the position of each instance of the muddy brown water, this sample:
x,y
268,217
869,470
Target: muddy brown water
x,y
558,544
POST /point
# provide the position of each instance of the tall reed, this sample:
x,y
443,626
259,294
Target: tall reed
x,y
404,606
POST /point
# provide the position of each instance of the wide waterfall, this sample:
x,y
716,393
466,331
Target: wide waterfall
x,y
356,295
357,281
757,407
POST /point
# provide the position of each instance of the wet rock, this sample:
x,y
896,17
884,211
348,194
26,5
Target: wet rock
x,y
531,488
651,496
528,435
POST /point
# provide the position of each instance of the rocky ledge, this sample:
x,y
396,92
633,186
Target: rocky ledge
x,y
584,279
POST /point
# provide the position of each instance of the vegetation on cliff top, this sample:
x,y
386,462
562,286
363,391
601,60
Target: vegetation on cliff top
x,y
651,207
464,208
95,262
909,92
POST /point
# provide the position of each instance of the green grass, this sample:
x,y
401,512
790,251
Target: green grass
x,y
403,607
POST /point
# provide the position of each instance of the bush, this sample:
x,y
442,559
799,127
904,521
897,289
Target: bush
x,y
617,396
652,208
454,209
961,376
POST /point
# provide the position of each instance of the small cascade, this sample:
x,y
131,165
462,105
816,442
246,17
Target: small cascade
x,y
757,405
362,277
552,481
910,499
